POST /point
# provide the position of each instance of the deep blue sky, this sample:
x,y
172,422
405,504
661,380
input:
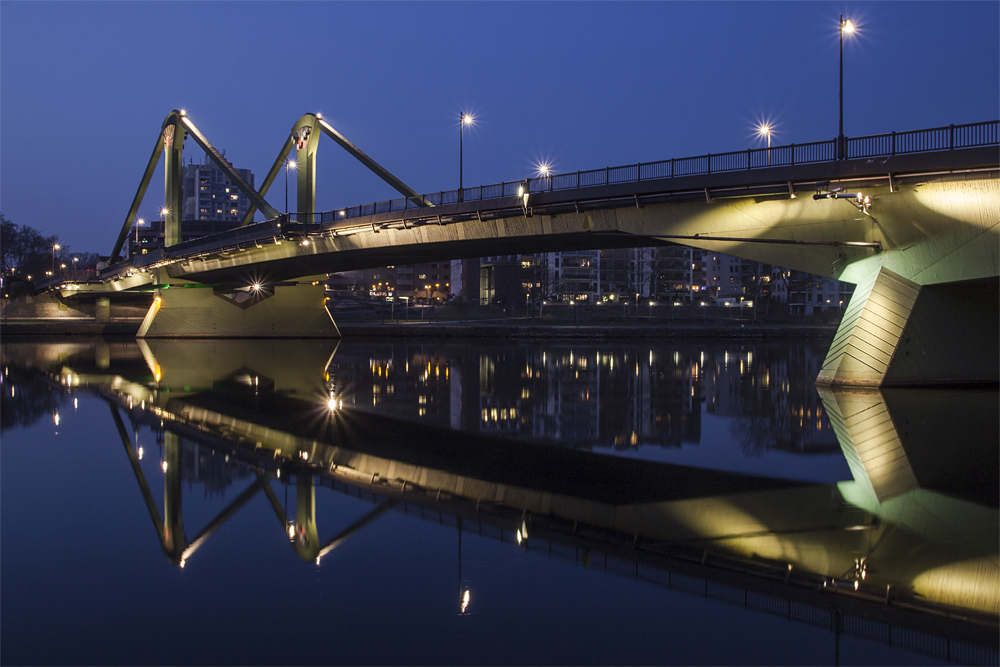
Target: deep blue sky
x,y
85,86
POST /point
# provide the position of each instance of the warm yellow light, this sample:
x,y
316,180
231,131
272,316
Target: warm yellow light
x,y
319,116
56,247
164,211
164,466
183,563
467,119
543,169
256,287
184,113
764,130
847,26
291,164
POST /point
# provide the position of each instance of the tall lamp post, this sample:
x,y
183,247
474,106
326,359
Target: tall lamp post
x,y
289,164
163,225
463,120
55,246
138,222
765,131
845,27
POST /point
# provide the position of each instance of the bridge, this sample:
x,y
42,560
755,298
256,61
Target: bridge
x,y
900,563
912,218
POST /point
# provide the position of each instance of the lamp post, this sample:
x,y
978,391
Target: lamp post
x,y
138,222
463,120
845,27
765,131
163,224
55,246
289,164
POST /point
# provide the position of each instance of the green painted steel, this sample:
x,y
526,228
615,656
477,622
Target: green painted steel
x,y
141,191
276,168
376,168
227,169
306,140
173,180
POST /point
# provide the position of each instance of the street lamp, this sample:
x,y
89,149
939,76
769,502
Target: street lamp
x,y
163,224
55,247
848,28
764,130
138,222
463,120
289,164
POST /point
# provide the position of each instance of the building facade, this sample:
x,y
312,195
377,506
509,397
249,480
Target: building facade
x,y
208,194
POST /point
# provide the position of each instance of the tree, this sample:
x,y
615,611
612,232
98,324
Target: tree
x,y
26,251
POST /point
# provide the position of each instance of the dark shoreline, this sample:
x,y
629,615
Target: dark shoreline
x,y
508,329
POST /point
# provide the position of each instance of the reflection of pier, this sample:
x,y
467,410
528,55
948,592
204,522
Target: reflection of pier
x,y
915,565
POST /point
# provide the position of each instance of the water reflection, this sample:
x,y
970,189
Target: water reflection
x,y
609,395
904,545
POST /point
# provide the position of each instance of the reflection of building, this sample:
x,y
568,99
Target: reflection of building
x,y
770,392
615,395
210,468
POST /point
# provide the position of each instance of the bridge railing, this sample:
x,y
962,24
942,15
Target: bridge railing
x,y
923,141
878,145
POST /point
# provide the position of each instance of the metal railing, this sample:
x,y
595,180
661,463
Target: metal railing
x,y
879,145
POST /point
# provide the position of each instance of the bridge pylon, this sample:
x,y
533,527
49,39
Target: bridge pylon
x,y
293,309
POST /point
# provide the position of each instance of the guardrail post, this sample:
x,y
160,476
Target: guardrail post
x,y
577,178
710,163
893,147
748,159
638,171
607,175
793,153
951,137
671,167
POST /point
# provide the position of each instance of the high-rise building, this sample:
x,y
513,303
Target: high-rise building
x,y
208,194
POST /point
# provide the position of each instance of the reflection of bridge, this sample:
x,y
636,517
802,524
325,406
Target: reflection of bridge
x,y
905,563
920,238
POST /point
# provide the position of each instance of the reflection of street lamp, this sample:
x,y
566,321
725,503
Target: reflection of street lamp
x,y
55,247
289,164
845,27
463,120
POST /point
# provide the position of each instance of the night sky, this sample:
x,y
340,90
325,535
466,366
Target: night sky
x,y
84,88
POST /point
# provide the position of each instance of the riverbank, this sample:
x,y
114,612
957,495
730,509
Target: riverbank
x,y
506,328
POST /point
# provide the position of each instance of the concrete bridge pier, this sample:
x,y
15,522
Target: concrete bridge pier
x,y
183,309
897,332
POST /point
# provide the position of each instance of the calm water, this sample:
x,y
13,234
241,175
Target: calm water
x,y
266,502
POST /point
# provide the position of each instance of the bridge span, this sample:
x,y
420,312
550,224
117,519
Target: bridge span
x,y
912,218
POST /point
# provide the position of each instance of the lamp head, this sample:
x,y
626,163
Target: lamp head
x,y
847,27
